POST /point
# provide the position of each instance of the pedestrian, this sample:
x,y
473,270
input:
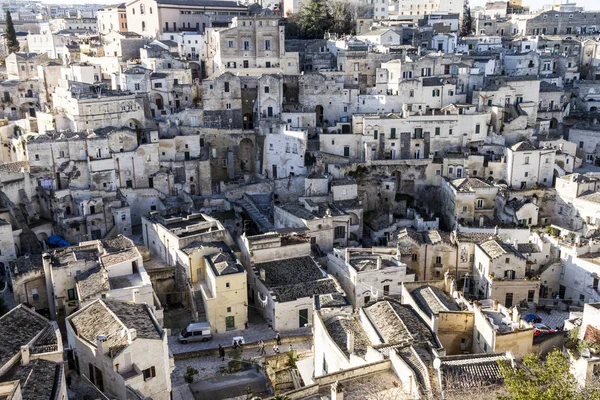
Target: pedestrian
x,y
278,339
261,348
222,353
291,349
235,345
276,349
241,345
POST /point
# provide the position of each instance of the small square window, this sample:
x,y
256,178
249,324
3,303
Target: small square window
x,y
228,309
227,285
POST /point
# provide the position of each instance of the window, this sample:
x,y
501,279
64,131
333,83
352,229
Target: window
x,y
530,295
437,130
507,260
479,203
137,86
228,309
227,285
449,131
414,257
267,89
230,44
438,260
226,89
143,25
35,295
340,232
465,208
158,85
393,133
149,373
526,160
367,299
477,128
267,44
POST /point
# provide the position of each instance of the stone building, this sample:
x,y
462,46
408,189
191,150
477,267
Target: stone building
x,y
467,201
527,165
151,18
112,18
24,66
367,275
31,365
121,349
500,273
250,46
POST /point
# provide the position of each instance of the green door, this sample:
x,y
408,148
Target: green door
x,y
303,318
229,323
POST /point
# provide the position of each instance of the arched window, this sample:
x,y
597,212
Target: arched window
x,y
150,10
142,9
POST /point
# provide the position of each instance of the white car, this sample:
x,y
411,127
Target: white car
x,y
237,339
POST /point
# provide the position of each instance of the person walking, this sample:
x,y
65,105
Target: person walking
x,y
278,339
261,348
235,345
291,348
241,345
222,353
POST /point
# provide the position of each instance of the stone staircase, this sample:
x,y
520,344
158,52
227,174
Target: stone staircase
x,y
199,306
249,205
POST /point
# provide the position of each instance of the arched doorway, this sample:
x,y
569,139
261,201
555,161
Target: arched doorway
x,y
158,100
319,115
248,121
246,155
553,123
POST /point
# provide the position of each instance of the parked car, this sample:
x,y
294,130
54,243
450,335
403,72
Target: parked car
x,y
196,332
238,339
540,328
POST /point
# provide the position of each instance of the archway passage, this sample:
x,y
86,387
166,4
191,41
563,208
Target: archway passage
x,y
319,115
247,155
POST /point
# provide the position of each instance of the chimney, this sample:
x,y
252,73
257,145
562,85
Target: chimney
x,y
101,345
262,274
337,391
350,341
131,334
24,355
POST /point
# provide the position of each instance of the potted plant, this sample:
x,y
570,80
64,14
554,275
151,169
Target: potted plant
x,y
189,374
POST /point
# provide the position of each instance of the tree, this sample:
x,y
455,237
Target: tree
x,y
11,35
467,23
343,13
314,19
542,380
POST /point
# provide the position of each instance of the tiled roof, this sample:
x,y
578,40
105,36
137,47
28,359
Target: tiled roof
x,y
523,146
224,264
26,264
18,327
398,323
494,248
305,289
119,257
92,283
16,166
338,328
593,197
470,184
40,379
112,319
117,243
432,300
527,248
466,371
290,271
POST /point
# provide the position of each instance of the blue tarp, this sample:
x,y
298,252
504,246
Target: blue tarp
x,y
56,240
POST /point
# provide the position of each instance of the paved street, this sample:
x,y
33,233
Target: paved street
x,y
253,334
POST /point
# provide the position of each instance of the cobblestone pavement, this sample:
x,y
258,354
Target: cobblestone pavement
x,y
253,334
